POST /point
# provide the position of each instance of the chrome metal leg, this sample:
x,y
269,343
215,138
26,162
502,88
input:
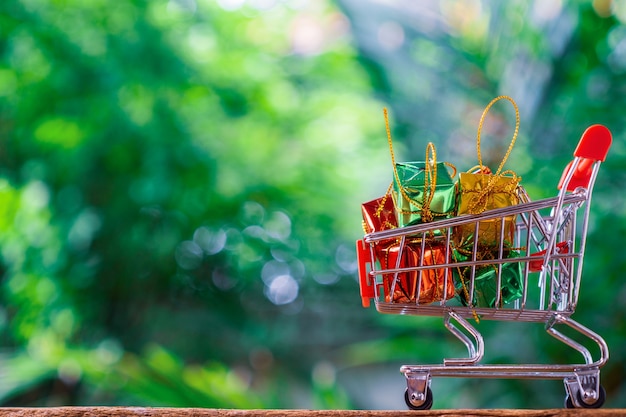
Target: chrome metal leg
x,y
475,351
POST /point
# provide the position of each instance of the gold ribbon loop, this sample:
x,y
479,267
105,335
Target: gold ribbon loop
x,y
430,182
430,178
480,128
479,201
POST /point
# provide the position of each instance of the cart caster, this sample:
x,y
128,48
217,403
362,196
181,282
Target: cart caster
x,y
581,402
415,404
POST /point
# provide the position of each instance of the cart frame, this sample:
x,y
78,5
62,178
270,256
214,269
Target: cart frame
x,y
550,235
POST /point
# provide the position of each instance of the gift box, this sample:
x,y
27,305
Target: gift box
x,y
486,279
379,214
436,283
480,192
422,196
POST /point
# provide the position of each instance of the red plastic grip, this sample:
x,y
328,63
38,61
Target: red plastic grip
x,y
593,146
594,143
365,283
536,266
581,176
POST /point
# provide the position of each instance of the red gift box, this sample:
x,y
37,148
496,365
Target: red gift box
x,y
379,214
433,280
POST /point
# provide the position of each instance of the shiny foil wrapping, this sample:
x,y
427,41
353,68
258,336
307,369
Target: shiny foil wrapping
x,y
379,214
486,280
474,198
435,285
412,176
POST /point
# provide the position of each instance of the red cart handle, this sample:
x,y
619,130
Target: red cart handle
x,y
365,282
595,143
537,266
593,147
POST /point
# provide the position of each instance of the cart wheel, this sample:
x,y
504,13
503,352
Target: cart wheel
x,y
426,405
599,402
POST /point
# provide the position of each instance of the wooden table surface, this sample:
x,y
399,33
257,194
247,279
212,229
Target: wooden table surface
x,y
203,412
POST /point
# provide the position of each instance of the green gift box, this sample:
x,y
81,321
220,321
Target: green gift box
x,y
486,280
423,191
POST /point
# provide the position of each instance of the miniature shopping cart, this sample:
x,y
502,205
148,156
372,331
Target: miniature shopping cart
x,y
547,257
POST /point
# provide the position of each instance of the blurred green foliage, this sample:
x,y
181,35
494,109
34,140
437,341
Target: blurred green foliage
x,y
180,183
169,194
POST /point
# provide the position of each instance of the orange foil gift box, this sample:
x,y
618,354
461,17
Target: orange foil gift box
x,y
434,283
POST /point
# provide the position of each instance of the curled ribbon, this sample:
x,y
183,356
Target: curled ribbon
x,y
479,201
430,178
430,183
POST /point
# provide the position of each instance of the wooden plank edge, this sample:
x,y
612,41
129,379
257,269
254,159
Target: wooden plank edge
x,y
206,412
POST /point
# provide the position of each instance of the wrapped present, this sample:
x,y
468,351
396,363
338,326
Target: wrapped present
x,y
435,284
481,190
486,279
379,214
422,191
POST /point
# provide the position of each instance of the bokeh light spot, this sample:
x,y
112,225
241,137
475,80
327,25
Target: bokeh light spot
x,y
273,269
282,290
188,255
278,226
252,213
210,241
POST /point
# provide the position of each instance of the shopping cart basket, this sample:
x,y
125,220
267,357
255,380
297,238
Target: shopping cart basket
x,y
547,257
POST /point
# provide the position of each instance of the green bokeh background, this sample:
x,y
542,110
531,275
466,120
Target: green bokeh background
x,y
181,180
